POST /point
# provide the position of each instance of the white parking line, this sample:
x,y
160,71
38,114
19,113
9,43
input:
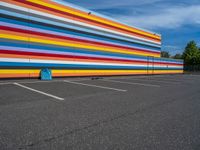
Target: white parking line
x,y
194,75
177,80
132,83
137,77
37,91
76,80
127,77
47,81
170,80
92,85
6,83
154,80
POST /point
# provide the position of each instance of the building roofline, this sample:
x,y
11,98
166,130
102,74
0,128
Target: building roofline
x,y
103,16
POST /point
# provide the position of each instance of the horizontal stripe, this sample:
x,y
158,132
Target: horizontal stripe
x,y
71,28
54,71
71,42
73,64
107,20
10,35
75,22
10,73
72,39
60,50
22,46
85,18
76,58
95,14
86,38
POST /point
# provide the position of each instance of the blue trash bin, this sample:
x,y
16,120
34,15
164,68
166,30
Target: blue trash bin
x,y
46,74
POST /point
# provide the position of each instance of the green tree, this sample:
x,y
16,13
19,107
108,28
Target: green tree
x,y
191,55
178,56
165,54
199,57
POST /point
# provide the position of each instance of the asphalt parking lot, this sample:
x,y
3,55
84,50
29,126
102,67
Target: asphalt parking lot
x,y
160,112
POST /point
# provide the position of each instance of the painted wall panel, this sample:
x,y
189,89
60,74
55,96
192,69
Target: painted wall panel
x,y
73,42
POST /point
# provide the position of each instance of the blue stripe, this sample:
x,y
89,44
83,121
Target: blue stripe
x,y
97,14
79,66
19,44
76,33
75,27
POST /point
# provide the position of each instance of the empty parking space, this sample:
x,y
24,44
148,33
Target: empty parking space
x,y
151,81
38,91
11,94
94,86
168,79
130,83
68,89
123,112
61,89
143,82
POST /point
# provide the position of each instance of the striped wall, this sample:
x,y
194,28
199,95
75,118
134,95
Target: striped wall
x,y
72,41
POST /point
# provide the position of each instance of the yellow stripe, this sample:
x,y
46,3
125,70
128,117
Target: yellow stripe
x,y
117,71
54,71
68,44
93,18
16,71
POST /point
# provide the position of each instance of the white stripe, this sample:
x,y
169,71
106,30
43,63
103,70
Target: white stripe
x,y
169,80
154,80
37,91
17,60
103,16
6,83
14,60
68,53
191,75
76,80
26,82
132,83
80,29
92,85
74,36
164,78
73,22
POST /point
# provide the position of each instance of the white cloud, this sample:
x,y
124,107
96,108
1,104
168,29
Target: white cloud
x,y
172,49
168,18
110,4
113,3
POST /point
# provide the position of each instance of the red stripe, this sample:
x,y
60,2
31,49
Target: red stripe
x,y
73,39
71,15
3,51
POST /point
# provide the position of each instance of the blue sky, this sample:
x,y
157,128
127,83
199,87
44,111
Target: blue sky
x,y
178,21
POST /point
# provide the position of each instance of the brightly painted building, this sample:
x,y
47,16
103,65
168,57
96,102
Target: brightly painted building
x,y
72,41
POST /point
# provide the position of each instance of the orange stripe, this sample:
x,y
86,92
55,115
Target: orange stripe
x,y
74,42
68,17
66,59
93,17
12,75
77,59
27,75
58,58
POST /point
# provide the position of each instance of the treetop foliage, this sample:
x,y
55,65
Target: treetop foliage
x,y
165,54
191,54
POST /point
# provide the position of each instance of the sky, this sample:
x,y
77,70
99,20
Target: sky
x,y
178,21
